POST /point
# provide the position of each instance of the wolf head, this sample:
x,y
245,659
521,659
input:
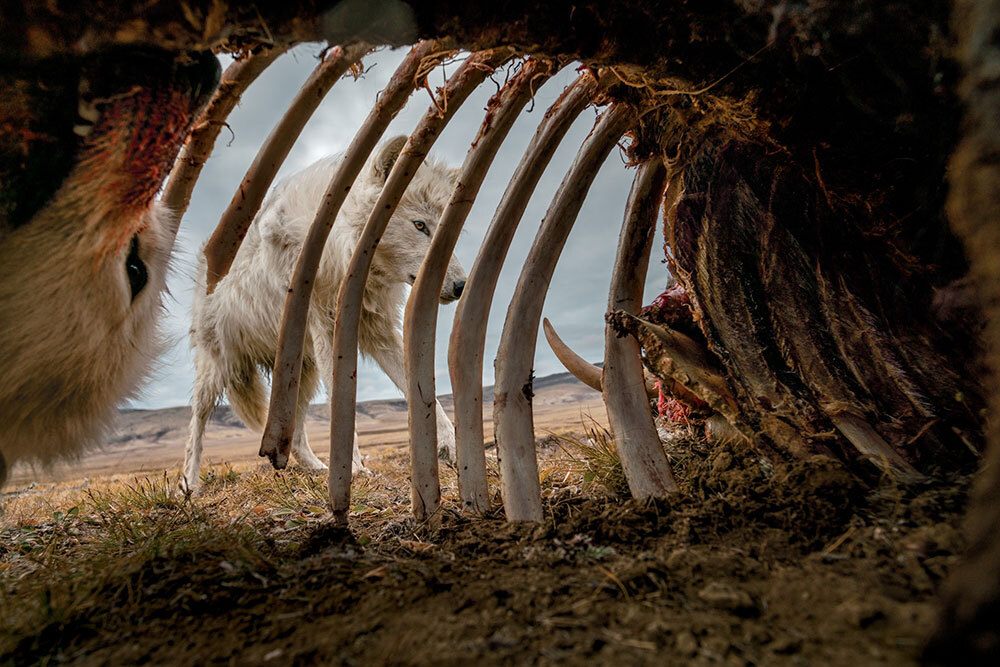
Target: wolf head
x,y
82,268
408,235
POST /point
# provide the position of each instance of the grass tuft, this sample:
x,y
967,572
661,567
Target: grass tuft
x,y
594,457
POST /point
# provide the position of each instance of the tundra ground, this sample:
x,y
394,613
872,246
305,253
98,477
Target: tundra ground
x,y
750,564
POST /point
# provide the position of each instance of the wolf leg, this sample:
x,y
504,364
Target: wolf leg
x,y
325,362
208,387
301,450
390,359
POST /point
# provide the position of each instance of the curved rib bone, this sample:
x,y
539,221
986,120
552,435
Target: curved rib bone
x,y
643,460
235,221
349,299
583,370
873,446
280,427
235,80
512,394
422,308
468,335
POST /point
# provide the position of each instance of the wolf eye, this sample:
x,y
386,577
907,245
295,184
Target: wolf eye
x,y
422,227
135,268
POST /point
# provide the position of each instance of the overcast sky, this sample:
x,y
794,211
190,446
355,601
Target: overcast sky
x,y
577,297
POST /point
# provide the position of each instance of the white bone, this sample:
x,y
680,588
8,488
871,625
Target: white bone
x,y
643,460
583,370
512,393
421,309
280,426
468,335
343,386
228,235
235,80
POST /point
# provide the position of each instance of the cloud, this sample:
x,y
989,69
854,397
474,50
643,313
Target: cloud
x,y
577,297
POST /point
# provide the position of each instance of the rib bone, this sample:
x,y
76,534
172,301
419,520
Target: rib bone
x,y
235,221
349,299
280,426
512,394
421,310
468,335
643,460
235,80
873,446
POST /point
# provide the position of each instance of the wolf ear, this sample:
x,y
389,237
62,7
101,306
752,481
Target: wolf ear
x,y
388,152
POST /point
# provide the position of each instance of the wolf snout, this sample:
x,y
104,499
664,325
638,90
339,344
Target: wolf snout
x,y
452,290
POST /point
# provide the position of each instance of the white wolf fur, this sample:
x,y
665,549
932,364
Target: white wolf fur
x,y
234,331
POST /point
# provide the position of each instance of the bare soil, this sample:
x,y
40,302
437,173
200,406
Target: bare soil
x,y
751,564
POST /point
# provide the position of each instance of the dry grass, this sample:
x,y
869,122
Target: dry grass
x,y
66,550
594,458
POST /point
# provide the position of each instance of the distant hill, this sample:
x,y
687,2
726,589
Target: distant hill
x,y
167,423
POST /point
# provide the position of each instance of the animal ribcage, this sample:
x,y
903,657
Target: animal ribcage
x,y
625,388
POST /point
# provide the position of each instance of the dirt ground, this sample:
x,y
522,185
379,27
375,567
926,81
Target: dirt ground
x,y
750,565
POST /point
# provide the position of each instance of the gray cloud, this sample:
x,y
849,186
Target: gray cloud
x,y
578,294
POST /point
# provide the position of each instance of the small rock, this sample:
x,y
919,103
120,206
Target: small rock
x,y
677,559
724,596
859,613
786,645
686,643
722,462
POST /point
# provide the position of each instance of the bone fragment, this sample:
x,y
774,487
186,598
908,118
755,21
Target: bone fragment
x,y
583,370
280,427
690,358
873,446
235,80
468,336
512,401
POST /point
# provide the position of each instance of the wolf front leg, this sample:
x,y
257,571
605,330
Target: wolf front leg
x,y
390,359
208,389
324,350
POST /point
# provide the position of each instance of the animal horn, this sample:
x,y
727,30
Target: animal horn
x,y
512,392
420,320
580,368
468,335
343,385
583,370
280,427
222,247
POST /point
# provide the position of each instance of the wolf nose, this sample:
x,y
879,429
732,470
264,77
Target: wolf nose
x,y
458,288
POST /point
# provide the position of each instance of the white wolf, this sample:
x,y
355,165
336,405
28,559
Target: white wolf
x,y
234,331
